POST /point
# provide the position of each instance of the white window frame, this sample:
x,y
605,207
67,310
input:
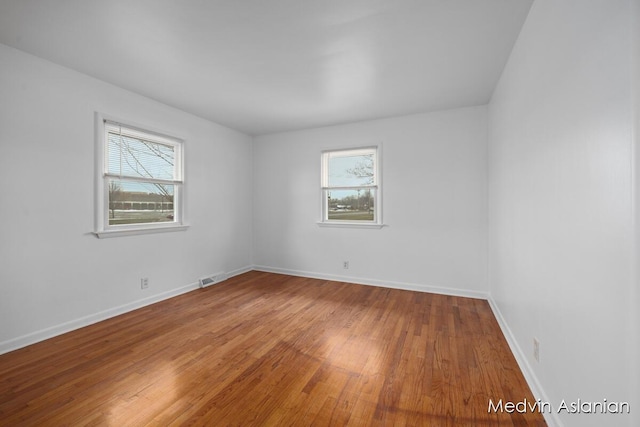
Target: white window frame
x,y
102,227
376,186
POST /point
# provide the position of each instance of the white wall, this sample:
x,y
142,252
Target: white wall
x,y
634,301
54,274
560,204
434,202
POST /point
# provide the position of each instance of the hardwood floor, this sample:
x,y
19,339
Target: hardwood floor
x,y
274,350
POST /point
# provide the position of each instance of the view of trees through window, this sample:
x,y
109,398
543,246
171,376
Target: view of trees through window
x,y
350,205
151,204
137,175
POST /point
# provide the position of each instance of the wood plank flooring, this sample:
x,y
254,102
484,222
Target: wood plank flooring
x,y
273,350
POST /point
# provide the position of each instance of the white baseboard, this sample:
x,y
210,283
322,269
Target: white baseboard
x,y
530,377
239,271
44,334
373,282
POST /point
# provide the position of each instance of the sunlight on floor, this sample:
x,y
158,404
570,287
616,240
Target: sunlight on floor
x,y
153,391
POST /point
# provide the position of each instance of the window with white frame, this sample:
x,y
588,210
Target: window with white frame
x,y
351,187
141,180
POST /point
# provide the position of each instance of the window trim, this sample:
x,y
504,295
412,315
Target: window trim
x,y
101,227
377,222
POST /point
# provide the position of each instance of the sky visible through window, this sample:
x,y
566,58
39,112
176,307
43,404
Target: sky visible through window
x,y
343,171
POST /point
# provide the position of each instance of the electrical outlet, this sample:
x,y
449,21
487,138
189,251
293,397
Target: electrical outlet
x,y
345,265
144,283
536,349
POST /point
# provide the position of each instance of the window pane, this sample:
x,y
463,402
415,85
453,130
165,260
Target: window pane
x,y
350,205
351,171
139,202
137,157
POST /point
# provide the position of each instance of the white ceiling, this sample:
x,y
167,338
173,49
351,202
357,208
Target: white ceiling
x,y
264,66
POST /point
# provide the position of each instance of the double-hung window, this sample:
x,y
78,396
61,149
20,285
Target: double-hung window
x,y
351,187
141,181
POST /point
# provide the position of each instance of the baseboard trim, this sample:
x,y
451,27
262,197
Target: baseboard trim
x,y
530,377
239,271
44,334
373,282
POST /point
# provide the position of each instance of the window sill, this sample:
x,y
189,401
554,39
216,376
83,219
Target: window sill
x,y
346,224
103,234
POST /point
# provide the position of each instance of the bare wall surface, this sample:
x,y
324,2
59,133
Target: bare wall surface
x,y
54,273
560,206
434,204
634,301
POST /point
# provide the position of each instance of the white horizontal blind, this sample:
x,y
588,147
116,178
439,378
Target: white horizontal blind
x,y
136,155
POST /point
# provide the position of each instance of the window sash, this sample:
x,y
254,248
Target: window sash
x,y
106,211
126,207
351,215
327,156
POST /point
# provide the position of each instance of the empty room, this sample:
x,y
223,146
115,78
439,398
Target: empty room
x,y
320,212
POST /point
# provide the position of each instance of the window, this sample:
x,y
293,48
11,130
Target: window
x,y
140,181
351,187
